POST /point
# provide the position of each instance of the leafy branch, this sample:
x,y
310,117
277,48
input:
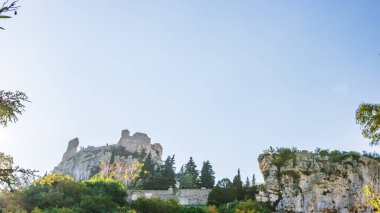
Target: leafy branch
x,y
8,7
13,177
11,104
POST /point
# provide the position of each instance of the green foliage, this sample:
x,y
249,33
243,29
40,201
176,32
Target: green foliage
x,y
11,105
168,173
282,155
372,155
98,194
156,177
187,177
156,205
108,188
336,156
97,203
250,206
148,173
368,117
54,210
238,186
222,193
193,209
8,7
250,189
54,191
207,177
186,181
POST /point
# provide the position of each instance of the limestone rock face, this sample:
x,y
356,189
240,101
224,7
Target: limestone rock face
x,y
84,163
310,182
140,142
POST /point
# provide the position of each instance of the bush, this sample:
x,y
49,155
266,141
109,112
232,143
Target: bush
x,y
55,191
219,196
60,193
99,203
156,205
109,189
250,206
192,209
211,209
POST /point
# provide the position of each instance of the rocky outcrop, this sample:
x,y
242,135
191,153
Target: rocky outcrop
x,y
309,182
84,163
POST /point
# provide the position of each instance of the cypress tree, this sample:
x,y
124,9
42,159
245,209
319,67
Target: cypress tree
x,y
147,173
238,186
207,177
191,168
188,176
168,173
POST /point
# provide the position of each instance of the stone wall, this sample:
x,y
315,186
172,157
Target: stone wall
x,y
310,182
185,196
84,163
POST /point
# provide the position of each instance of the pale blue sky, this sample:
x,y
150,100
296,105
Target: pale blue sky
x,y
216,80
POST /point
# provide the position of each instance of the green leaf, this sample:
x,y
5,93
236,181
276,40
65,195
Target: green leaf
x,y
5,16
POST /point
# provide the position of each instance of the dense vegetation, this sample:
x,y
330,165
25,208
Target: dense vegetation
x,y
163,177
368,117
60,193
284,155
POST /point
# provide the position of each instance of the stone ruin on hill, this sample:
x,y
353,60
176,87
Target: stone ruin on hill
x,y
84,163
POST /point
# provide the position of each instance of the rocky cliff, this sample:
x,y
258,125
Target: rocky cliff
x,y
301,181
84,163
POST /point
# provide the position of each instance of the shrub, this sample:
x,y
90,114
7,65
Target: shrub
x,y
250,206
192,209
156,205
53,191
211,209
219,196
99,203
60,193
110,189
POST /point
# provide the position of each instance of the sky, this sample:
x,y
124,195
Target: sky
x,y
216,80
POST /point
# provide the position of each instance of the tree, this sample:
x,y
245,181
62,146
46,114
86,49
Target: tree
x,y
207,177
238,186
13,177
368,117
222,193
8,7
188,175
191,168
11,105
168,173
148,173
249,189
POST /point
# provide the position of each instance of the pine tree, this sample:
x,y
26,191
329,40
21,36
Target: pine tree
x,y
238,186
191,168
251,191
207,178
168,173
247,182
147,173
112,159
187,177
